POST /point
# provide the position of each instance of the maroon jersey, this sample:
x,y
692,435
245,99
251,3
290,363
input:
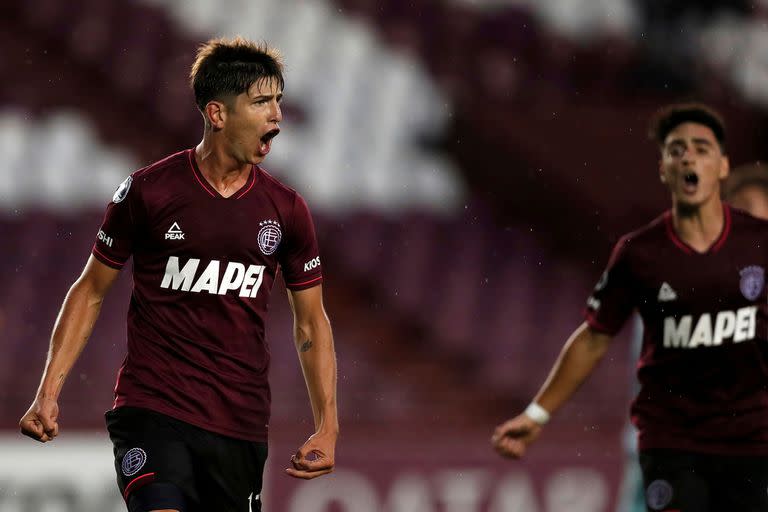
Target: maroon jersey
x,y
203,269
703,369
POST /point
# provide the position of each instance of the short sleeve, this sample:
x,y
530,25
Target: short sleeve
x,y
299,257
611,302
115,239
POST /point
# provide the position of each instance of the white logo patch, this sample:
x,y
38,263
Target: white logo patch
x,y
174,232
105,238
312,264
666,293
133,461
122,190
269,236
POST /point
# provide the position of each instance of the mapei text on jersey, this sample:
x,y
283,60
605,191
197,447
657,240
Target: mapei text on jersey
x,y
237,276
739,325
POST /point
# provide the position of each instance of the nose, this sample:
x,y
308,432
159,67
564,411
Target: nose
x,y
688,156
277,113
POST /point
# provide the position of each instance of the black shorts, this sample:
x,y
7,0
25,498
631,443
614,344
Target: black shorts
x,y
162,462
692,482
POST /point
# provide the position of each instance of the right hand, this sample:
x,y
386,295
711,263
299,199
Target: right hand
x,y
315,457
511,438
40,421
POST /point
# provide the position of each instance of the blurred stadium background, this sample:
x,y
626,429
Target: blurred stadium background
x,y
469,164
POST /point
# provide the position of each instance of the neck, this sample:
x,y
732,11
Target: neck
x,y
699,226
219,166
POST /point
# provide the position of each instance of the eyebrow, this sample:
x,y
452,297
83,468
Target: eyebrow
x,y
705,142
696,140
268,96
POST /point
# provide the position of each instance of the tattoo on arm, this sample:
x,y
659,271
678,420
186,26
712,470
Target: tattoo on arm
x,y
306,346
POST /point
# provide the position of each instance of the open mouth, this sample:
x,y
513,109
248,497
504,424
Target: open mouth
x,y
266,140
691,178
690,182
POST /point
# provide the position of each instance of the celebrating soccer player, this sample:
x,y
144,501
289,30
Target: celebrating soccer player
x,y
208,230
696,275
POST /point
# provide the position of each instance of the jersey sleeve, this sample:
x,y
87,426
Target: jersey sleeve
x,y
299,258
611,302
115,239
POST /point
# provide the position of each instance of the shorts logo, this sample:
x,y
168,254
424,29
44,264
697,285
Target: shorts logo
x,y
269,236
133,461
122,190
659,494
752,281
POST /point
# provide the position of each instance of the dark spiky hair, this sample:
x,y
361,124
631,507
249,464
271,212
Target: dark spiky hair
x,y
227,67
670,117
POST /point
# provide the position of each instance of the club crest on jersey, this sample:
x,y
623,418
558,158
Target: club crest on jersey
x,y
752,281
269,236
122,190
133,461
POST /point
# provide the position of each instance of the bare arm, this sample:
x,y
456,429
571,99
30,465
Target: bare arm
x,y
314,344
71,331
578,359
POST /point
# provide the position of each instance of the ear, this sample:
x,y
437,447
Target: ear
x,y
662,176
725,167
215,113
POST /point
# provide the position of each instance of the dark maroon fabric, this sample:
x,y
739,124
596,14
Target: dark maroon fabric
x,y
203,269
703,369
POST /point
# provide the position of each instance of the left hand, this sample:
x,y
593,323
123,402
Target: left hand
x,y
314,458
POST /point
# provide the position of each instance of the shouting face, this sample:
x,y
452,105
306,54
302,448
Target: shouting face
x,y
692,165
250,120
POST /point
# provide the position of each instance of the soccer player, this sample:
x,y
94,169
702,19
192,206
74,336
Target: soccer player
x,y
696,275
208,230
747,189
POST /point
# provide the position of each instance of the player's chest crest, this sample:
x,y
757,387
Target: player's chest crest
x,y
752,281
269,236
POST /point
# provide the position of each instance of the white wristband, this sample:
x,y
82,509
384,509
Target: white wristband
x,y
537,413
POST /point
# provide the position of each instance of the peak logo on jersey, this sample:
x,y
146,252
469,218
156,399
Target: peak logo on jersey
x,y
236,276
752,281
133,461
122,190
174,232
666,293
105,238
312,264
269,236
739,325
